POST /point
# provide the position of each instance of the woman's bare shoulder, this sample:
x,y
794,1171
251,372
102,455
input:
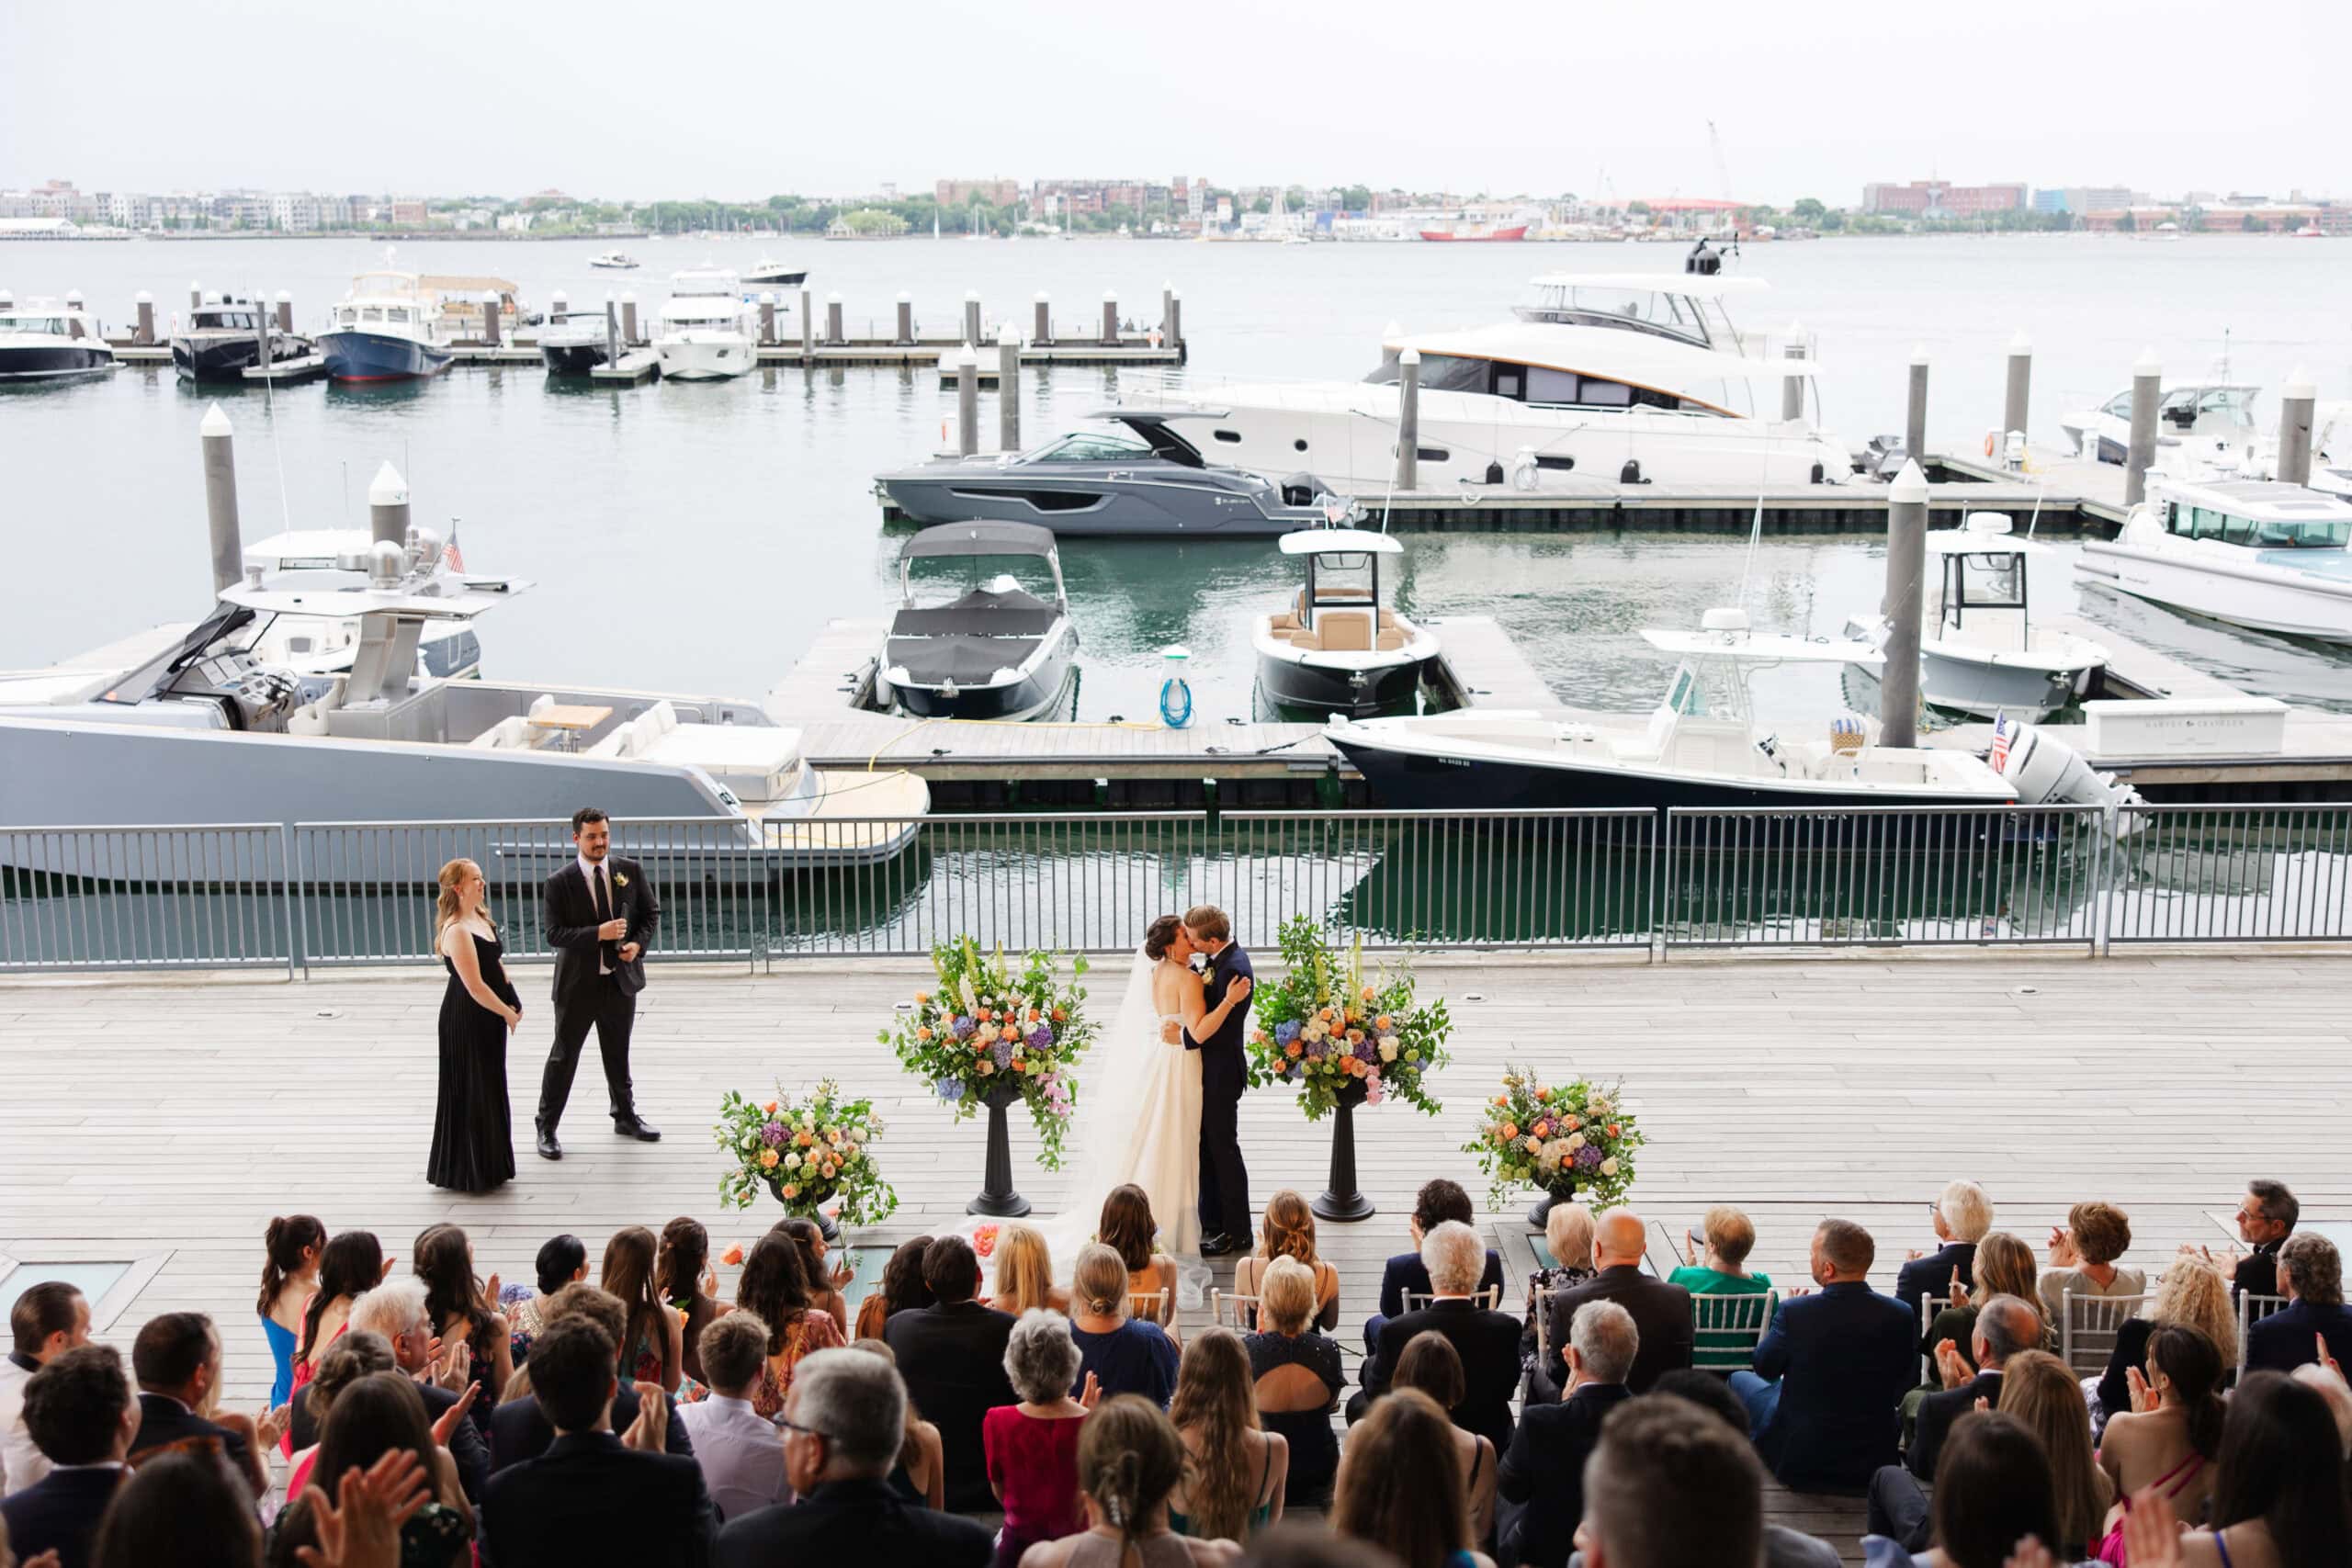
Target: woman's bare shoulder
x,y
1217,1552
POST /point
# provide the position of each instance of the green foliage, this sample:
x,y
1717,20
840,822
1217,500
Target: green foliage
x,y
807,1150
988,1027
1336,1034
1577,1137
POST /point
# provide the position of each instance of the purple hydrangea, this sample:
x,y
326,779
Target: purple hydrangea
x,y
1588,1156
1285,1032
962,1027
1367,1051
1040,1037
949,1089
773,1134
1000,1053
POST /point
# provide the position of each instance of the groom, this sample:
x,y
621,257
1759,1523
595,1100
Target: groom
x,y
600,914
1225,1181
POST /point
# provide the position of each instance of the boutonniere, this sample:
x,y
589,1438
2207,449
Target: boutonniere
x,y
619,881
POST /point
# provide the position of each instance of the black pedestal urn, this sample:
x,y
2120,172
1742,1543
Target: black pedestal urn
x,y
1343,1199
997,1199
823,1222
1540,1211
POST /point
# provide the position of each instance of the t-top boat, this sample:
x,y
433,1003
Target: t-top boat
x,y
995,651
777,273
2216,412
1980,653
222,339
1133,474
388,328
42,340
1337,648
615,261
2259,553
707,332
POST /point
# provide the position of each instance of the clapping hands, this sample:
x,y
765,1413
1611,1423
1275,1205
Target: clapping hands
x,y
2064,1254
362,1529
1950,1365
650,1433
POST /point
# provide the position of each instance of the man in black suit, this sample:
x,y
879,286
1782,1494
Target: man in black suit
x,y
1225,1073
2266,1217
600,918
1487,1341
844,1422
951,1354
1831,1372
177,1359
1962,1216
1440,1199
1542,1472
394,1311
519,1429
79,1410
2005,1326
2311,1274
1662,1312
593,1496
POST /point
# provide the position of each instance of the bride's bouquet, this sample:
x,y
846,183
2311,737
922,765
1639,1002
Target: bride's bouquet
x,y
1343,1035
988,1032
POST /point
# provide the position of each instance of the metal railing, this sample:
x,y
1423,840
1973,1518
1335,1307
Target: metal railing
x,y
312,895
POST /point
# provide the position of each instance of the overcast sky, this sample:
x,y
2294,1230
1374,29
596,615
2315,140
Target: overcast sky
x,y
712,98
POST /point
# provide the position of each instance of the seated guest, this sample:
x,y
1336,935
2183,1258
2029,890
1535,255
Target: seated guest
x,y
1662,1312
951,1356
652,1345
902,1289
79,1410
1287,1230
827,1275
1821,1399
1487,1340
2329,1384
354,1354
594,1496
1718,1267
2266,1217
775,1287
2191,1295
1123,1354
1961,1215
177,1359
1032,1447
379,1413
182,1508
289,1272
1437,1202
1671,1486
1234,1470
1128,1228
2278,1494
1024,1273
844,1426
740,1455
920,1478
562,1260
353,1262
1783,1547
2171,1437
519,1427
2005,1326
48,1320
396,1311
2004,1267
1568,1236
1543,1475
2036,1388
1129,1461
1298,1379
1430,1365
2082,1259
463,1311
2310,1273
1993,1489
1400,1484
682,1272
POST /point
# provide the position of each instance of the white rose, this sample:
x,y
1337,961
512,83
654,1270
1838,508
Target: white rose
x,y
792,1162
1609,1167
1534,1144
1388,1050
1575,1142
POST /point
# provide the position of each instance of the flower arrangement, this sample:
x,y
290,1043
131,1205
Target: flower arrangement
x,y
1340,1035
989,1029
1576,1137
809,1150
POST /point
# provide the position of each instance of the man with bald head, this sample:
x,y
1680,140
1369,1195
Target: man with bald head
x,y
1661,1311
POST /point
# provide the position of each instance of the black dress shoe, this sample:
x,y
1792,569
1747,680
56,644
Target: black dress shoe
x,y
548,1147
637,1127
1218,1246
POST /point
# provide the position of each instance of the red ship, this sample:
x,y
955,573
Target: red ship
x,y
1478,234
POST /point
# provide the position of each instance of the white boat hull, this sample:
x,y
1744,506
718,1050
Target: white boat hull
x,y
699,358
2270,599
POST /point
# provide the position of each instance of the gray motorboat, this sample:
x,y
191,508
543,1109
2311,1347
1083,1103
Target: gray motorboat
x,y
995,651
1133,475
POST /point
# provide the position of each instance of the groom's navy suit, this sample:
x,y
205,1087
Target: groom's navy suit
x,y
1225,1073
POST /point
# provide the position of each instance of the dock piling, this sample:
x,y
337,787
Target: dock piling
x,y
2296,401
767,319
145,332
220,498
1109,317
1915,414
195,295
628,320
558,306
1176,322
1168,312
388,506
260,346
972,318
1409,419
285,303
612,329
2020,381
906,319
1906,562
968,402
2147,391
1008,390
1793,388
833,319
1042,334
808,329
489,322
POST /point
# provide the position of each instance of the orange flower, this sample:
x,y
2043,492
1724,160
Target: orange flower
x,y
769,1108
1355,1036
1544,1095
1059,1015
1369,993
731,1256
1614,1130
802,1140
984,1240
1383,1024
1574,1122
1011,1032
921,997
1510,1129
791,1189
922,1031
1033,1015
1292,1049
987,1068
1499,1100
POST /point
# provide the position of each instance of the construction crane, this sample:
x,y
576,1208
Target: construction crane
x,y
1722,172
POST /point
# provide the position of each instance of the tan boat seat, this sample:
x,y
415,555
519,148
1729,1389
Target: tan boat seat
x,y
1285,621
1391,640
1387,619
1306,641
1345,631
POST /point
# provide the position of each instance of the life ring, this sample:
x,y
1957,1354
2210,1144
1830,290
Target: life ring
x,y
1991,442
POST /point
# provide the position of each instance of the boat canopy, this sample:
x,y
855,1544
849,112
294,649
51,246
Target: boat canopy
x,y
1339,542
948,539
1984,533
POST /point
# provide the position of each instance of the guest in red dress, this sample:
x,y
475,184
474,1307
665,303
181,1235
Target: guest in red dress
x,y
1032,1447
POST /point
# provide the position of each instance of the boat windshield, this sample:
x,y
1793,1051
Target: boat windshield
x,y
2188,406
1710,688
1091,446
1661,312
51,326
1350,579
2256,532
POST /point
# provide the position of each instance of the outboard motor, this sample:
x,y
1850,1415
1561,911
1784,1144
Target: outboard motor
x,y
2045,770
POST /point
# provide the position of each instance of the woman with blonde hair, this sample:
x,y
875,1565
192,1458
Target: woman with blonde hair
x,y
1129,1462
1401,1484
2039,1390
1024,1273
1288,1231
1234,1469
2191,1295
473,1133
1298,1381
1568,1236
1125,1354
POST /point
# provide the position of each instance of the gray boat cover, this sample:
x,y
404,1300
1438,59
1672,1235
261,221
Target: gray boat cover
x,y
967,661
979,539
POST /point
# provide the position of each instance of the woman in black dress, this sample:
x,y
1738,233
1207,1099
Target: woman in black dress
x,y
473,1141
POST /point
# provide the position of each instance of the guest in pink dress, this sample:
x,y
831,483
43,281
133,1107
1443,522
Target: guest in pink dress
x,y
1032,1447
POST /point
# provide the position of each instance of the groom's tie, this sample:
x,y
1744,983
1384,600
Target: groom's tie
x,y
608,954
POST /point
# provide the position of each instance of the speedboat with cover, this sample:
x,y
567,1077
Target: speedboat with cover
x,y
707,331
388,328
42,340
994,652
223,338
2259,553
1336,647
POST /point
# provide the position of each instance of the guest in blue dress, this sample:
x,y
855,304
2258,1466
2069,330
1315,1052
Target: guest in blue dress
x,y
1123,1354
289,1272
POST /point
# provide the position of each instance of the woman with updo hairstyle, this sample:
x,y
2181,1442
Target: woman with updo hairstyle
x,y
1297,1380
682,1266
2171,1437
1128,1228
1124,1354
1129,1461
562,1259
1287,1230
289,1272
473,1135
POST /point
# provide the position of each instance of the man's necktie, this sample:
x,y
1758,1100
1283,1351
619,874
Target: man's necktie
x,y
610,950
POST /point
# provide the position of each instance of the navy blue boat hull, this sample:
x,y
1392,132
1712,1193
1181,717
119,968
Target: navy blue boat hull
x,y
377,356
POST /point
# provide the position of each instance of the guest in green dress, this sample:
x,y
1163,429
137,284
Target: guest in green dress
x,y
1718,1267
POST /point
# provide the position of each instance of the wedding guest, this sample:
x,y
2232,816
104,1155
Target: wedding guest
x,y
652,1345
459,1305
902,1289
1821,1399
1296,1544
380,1413
48,1320
775,1289
826,1281
83,1420
1541,1478
354,1261
951,1354
289,1272
401,1312
2266,1217
1122,1354
2191,1294
742,1459
1962,1214
2006,1326
920,1477
1431,1365
844,1423
2004,1267
1401,1484
1992,1490
359,1352
1032,1446
2311,1275
1128,1229
594,1496
2036,1389
2171,1437
1568,1236
1297,1381
1718,1267
1783,1547
473,1133
519,1428
176,1358
682,1274
1287,1230
2082,1259
2277,1490
184,1510
1129,1462
1024,1273
1661,1311
1234,1469
1487,1341
562,1260
1668,1486
1440,1199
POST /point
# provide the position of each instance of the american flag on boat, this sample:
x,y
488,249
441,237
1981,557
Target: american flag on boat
x,y
2002,735
451,556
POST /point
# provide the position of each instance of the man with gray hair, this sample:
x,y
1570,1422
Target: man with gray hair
x,y
395,1311
2311,1272
1487,1341
844,1423
1961,1213
2005,1326
1541,1478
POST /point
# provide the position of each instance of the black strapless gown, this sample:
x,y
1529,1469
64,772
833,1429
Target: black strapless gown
x,y
474,1131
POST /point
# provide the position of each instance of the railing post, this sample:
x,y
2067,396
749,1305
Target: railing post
x,y
297,936
1662,870
2107,858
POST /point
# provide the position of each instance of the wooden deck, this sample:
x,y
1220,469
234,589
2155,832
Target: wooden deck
x,y
162,1121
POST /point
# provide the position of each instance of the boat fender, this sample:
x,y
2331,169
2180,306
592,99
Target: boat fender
x,y
1630,474
1524,469
1494,473
1820,474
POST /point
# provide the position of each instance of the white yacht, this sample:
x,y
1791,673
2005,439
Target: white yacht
x,y
2259,553
2209,414
1335,647
707,331
774,273
1606,380
1980,653
615,261
42,340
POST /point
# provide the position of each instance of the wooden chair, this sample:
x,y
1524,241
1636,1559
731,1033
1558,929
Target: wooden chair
x,y
1738,1322
1153,1305
2086,1326
1244,1317
1928,1307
